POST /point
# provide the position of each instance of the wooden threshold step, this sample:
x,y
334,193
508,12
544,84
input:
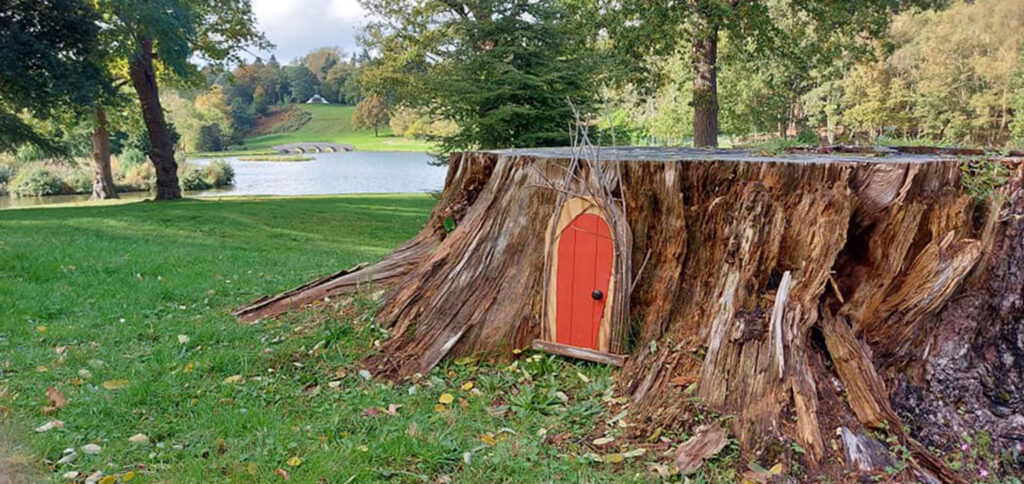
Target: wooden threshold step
x,y
579,353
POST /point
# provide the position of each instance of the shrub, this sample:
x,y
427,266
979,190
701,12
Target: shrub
x,y
131,156
218,173
138,177
193,179
75,179
35,180
6,172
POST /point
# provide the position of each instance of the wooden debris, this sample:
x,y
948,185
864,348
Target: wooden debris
x,y
705,443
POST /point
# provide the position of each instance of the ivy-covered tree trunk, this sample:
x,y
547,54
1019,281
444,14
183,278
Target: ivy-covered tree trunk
x,y
705,87
140,69
103,178
802,295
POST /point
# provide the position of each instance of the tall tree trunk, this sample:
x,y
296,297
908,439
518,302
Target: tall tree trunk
x,y
140,68
705,87
103,178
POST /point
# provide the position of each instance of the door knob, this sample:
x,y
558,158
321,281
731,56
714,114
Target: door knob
x,y
597,295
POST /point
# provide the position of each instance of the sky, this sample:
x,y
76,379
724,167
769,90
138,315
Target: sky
x,y
298,26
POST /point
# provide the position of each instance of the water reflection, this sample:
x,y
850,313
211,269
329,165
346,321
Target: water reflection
x,y
327,174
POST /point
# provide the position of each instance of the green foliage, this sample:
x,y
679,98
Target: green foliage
x,y
371,113
49,66
131,156
983,177
36,179
503,71
217,173
134,177
209,138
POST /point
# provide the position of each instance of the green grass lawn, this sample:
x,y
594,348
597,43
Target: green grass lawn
x,y
125,310
332,123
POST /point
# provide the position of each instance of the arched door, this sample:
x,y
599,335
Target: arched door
x,y
585,257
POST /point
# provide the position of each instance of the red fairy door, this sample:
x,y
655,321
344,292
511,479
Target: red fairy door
x,y
584,272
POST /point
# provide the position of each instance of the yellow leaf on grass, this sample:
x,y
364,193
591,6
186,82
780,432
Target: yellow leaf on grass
x,y
116,384
439,408
41,328
613,458
128,476
446,398
189,367
294,461
233,379
108,480
488,439
467,386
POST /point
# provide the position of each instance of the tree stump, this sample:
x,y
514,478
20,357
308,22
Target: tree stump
x,y
801,293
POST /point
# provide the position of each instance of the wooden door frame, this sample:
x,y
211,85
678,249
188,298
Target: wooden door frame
x,y
571,209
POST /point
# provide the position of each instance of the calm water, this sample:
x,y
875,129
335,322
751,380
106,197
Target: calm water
x,y
328,174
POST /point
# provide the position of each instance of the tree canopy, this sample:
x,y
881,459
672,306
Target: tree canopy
x,y
504,71
49,63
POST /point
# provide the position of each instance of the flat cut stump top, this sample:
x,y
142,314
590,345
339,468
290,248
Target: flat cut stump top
x,y
826,154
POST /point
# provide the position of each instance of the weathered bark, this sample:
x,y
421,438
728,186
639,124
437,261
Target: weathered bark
x,y
797,293
140,69
705,87
102,177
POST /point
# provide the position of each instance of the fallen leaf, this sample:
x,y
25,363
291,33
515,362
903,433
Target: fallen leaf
x,y
115,384
635,453
48,426
91,449
393,409
365,375
438,408
69,475
371,412
139,439
583,377
283,473
488,439
108,480
183,339
467,386
233,379
128,476
603,441
94,477
57,399
613,458
294,461
189,367
446,398
41,328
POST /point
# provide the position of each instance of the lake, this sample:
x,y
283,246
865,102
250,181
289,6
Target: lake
x,y
327,174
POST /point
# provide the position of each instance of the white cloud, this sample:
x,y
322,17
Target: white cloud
x,y
298,26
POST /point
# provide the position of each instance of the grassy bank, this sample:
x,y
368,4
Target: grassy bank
x,y
125,310
332,124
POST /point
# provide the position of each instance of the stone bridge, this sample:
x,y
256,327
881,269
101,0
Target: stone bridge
x,y
312,147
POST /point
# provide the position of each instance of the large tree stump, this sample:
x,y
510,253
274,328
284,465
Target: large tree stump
x,y
802,293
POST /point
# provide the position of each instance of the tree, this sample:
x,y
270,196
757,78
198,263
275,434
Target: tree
x,y
504,71
302,82
371,113
321,60
170,34
641,27
49,65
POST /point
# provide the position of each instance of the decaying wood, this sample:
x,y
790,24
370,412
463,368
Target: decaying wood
x,y
579,353
706,442
800,293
